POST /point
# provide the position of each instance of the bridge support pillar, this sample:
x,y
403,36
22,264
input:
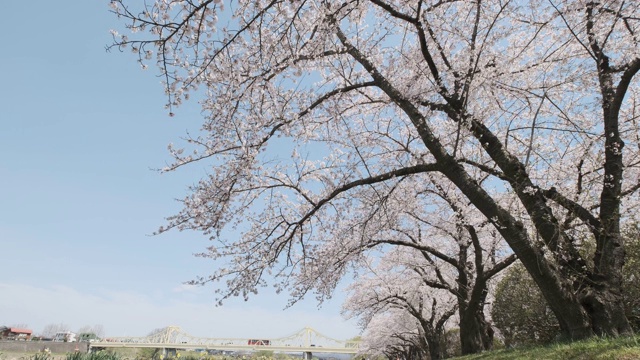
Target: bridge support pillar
x,y
307,355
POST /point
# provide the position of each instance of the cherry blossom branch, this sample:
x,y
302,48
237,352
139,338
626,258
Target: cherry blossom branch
x,y
486,169
575,208
410,170
421,247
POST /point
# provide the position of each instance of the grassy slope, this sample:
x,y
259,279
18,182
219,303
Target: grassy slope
x,y
615,349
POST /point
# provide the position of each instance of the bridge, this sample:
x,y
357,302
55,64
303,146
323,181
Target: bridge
x,y
173,338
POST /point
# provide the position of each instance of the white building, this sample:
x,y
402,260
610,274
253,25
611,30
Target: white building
x,y
65,336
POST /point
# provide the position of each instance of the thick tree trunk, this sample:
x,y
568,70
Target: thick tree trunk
x,y
603,299
606,312
415,353
476,335
435,348
596,310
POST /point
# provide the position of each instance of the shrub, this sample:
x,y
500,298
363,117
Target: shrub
x,y
631,275
77,356
451,343
149,354
520,311
263,354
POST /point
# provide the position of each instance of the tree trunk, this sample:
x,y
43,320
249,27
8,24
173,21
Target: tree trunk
x,y
603,299
597,310
606,311
435,347
476,335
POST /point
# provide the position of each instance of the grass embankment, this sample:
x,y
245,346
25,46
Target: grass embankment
x,y
117,354
624,348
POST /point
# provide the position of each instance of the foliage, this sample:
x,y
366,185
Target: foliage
x,y
100,355
189,356
103,355
149,354
77,356
623,348
282,356
324,120
42,356
97,331
262,354
520,311
451,343
631,271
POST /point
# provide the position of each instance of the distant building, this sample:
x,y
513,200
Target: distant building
x,y
65,336
91,337
10,333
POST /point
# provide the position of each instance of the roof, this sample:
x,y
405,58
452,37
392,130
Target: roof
x,y
20,331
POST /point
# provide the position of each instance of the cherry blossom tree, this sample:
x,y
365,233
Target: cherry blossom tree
x,y
450,247
322,116
394,335
394,289
454,251
474,256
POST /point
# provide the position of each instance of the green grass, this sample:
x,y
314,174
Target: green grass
x,y
41,356
623,348
100,355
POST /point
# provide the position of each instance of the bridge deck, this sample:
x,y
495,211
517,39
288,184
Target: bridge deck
x,y
278,348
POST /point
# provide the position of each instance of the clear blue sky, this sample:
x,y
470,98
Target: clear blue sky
x,y
80,129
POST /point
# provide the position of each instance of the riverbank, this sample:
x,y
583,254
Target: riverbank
x,y
622,348
56,351
10,355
